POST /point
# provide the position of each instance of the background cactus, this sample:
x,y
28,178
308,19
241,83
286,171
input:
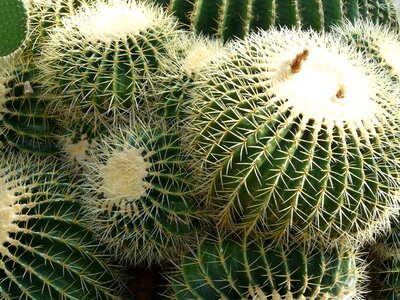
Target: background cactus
x,y
13,25
45,251
230,268
26,121
100,61
296,137
236,18
140,199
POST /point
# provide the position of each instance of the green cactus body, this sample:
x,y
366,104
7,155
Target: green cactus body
x,y
379,44
297,138
99,65
26,121
45,251
139,195
175,79
236,18
13,25
228,268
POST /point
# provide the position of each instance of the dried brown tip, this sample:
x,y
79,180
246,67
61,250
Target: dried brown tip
x,y
340,93
297,62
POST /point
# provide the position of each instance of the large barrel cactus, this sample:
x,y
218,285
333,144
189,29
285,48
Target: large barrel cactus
x,y
26,123
297,134
236,18
45,251
99,62
140,198
230,268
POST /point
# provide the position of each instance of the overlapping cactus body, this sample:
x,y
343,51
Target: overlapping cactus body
x,y
379,44
235,18
229,268
47,14
13,25
26,121
140,199
100,61
297,138
177,74
45,251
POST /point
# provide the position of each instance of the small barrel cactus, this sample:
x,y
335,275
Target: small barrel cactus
x,y
99,62
13,25
178,72
139,196
45,251
236,18
230,268
379,44
297,134
26,123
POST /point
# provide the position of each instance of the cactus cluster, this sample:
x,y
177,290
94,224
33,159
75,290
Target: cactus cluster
x,y
247,149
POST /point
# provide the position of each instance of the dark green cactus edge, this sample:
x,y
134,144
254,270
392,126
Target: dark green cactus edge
x,y
236,18
46,253
230,268
13,25
160,223
26,122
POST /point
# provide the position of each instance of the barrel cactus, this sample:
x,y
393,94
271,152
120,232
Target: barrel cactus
x,y
26,123
98,64
236,18
140,199
45,251
13,25
297,134
177,75
232,268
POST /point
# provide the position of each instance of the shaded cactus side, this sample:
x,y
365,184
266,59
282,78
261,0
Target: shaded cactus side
x,y
26,123
140,198
45,250
297,138
230,268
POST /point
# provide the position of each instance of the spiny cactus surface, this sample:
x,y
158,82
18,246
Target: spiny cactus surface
x,y
297,133
229,268
13,25
139,196
27,124
99,63
236,18
45,251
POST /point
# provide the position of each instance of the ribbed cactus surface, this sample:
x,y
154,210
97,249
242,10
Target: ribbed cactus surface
x,y
139,195
99,63
13,25
236,18
45,251
296,133
26,121
229,268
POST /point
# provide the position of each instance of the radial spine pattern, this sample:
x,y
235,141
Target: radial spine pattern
x,y
297,138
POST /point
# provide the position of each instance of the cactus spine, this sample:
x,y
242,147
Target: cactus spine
x,y
236,18
45,251
13,25
139,195
100,61
297,138
229,268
